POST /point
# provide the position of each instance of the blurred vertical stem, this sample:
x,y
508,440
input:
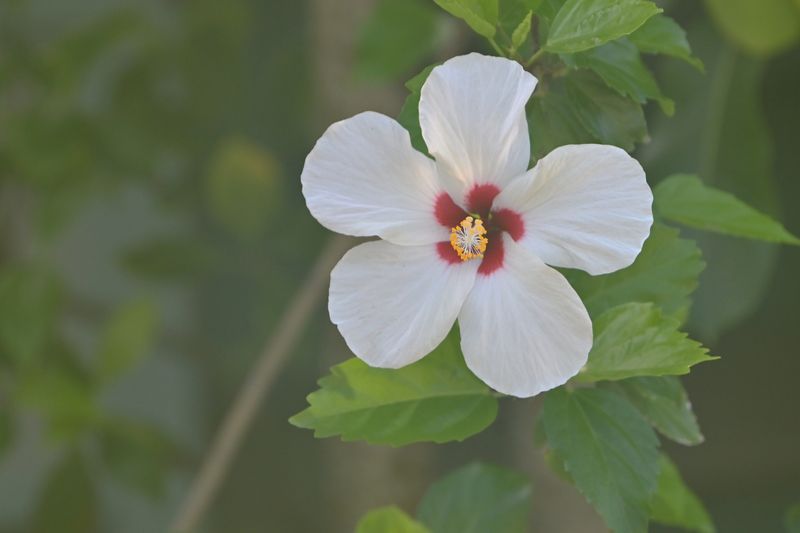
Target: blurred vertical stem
x,y
237,420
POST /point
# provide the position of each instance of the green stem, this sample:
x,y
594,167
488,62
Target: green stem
x,y
535,57
497,48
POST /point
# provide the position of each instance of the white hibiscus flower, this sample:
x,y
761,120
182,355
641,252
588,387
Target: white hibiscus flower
x,y
469,235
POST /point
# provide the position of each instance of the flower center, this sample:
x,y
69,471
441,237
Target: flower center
x,y
467,239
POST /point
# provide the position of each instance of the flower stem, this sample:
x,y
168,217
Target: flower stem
x,y
535,57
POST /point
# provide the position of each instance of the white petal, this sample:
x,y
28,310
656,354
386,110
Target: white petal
x,y
523,328
584,206
394,304
363,178
472,114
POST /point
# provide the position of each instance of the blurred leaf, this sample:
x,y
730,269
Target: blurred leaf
x,y
481,15
242,187
409,114
685,199
521,32
397,36
662,35
620,66
389,519
6,429
436,399
477,498
764,27
127,339
66,400
581,108
635,339
29,304
664,273
792,519
69,500
137,454
609,451
168,259
583,24
664,403
674,504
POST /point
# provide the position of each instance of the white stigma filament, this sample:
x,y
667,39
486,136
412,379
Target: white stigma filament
x,y
468,239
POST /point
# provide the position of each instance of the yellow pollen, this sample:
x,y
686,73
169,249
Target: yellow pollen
x,y
468,240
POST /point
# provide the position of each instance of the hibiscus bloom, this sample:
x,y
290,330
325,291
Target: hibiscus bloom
x,y
469,234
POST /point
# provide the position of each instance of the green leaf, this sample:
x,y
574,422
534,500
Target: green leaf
x,y
242,186
397,36
764,27
436,399
137,455
521,32
620,66
477,498
127,339
512,20
581,108
389,519
685,199
792,519
409,114
69,499
664,403
635,339
609,451
665,273
674,504
583,24
662,35
481,15
29,304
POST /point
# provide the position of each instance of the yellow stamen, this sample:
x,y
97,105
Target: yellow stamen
x,y
468,240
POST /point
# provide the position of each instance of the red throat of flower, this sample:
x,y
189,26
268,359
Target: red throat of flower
x,y
477,234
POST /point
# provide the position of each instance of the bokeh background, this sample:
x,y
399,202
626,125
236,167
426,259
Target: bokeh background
x,y
152,233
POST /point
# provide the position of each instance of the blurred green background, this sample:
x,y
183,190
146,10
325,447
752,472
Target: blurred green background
x,y
152,233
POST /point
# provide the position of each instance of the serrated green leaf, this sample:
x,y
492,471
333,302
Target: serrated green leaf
x,y
764,27
687,200
792,519
665,273
409,114
29,302
127,339
136,454
521,32
608,450
389,519
664,403
636,339
674,504
662,35
481,15
620,66
581,108
395,38
607,116
583,24
69,499
436,399
477,498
